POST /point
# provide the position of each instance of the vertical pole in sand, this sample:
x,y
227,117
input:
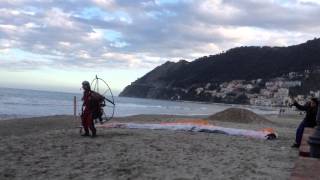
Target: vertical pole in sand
x,y
75,108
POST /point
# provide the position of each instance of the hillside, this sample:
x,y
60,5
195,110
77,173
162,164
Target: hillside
x,y
182,80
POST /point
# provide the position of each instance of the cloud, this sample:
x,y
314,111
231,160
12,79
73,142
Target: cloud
x,y
146,33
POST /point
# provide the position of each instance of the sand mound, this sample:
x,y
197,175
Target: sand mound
x,y
239,116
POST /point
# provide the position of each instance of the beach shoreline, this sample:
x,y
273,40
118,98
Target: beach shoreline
x,y
51,148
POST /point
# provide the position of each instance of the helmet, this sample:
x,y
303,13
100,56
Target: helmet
x,y
86,85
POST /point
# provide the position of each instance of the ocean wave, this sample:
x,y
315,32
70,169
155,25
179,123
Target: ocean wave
x,y
138,105
34,104
13,116
20,103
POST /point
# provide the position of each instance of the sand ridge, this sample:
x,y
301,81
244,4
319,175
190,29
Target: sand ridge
x,y
239,115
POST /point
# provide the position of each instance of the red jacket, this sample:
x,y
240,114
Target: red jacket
x,y
86,101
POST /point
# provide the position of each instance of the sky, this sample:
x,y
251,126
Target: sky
x,y
56,44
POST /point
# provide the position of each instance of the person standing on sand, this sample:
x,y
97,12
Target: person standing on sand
x,y
311,109
87,111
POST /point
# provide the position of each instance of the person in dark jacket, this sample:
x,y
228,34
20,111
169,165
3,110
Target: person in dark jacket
x,y
311,109
87,110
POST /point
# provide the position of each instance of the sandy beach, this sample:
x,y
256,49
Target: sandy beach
x,y
51,148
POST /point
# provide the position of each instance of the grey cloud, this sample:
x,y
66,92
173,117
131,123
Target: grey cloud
x,y
265,14
25,64
164,31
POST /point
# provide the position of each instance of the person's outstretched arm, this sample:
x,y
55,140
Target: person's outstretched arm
x,y
300,107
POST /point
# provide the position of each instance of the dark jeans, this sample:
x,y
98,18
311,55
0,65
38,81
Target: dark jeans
x,y
299,132
87,122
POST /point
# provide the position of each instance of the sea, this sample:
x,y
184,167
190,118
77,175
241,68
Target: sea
x,y
24,103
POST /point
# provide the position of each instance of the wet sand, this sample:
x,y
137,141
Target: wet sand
x,y
51,148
